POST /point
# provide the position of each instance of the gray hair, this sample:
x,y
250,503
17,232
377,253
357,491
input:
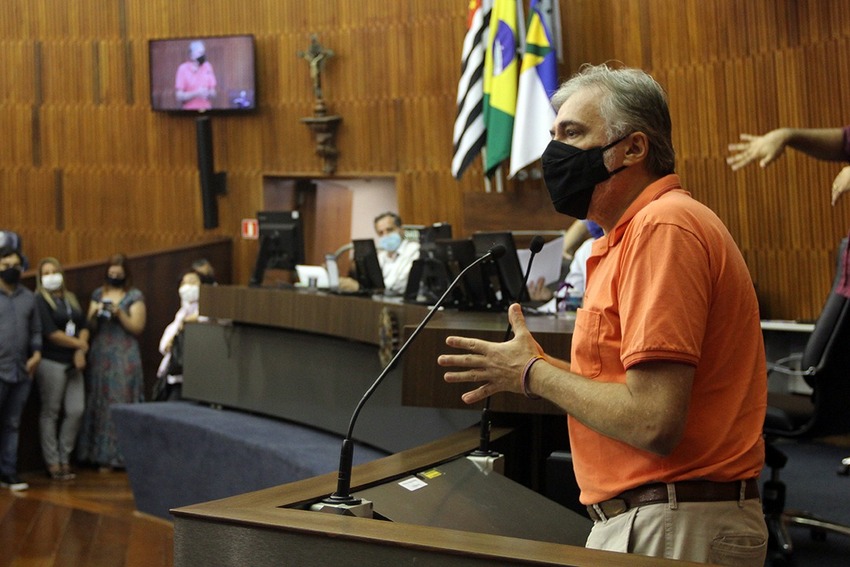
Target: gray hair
x,y
631,101
392,215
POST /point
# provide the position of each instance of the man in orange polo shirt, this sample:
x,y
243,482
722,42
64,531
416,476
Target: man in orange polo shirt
x,y
666,386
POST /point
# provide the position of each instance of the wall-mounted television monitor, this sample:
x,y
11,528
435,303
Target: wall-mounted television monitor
x,y
203,74
281,236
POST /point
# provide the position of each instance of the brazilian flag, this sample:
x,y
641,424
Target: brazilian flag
x,y
501,73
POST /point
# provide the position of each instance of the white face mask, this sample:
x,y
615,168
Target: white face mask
x,y
189,293
52,282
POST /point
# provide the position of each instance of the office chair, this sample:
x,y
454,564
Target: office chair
x,y
825,366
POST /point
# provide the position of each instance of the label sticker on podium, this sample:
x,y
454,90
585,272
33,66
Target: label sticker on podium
x,y
412,483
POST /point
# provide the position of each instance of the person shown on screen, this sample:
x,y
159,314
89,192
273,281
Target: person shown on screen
x,y
665,390
395,255
195,81
828,144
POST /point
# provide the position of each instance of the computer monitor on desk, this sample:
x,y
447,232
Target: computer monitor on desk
x,y
430,235
366,266
504,276
281,243
471,293
428,277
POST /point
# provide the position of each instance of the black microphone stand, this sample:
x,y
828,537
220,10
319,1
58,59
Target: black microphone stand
x,y
341,501
483,454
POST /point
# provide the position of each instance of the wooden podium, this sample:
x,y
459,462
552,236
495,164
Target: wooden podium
x,y
272,527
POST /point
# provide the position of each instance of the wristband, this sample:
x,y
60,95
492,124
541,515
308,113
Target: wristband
x,y
523,380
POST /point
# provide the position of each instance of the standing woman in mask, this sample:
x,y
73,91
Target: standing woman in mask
x,y
117,317
60,374
170,372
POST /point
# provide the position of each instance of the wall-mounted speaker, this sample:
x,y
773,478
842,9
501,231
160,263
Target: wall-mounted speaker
x,y
212,183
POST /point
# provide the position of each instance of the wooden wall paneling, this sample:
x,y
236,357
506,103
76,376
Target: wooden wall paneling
x,y
236,144
720,109
764,75
841,68
738,33
173,144
368,137
729,67
432,197
706,130
241,202
661,42
16,120
771,24
839,18
808,12
284,141
578,19
131,151
18,54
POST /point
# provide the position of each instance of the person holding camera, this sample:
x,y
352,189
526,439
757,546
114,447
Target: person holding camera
x,y
117,317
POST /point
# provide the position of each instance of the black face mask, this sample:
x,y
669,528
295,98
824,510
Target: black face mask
x,y
207,279
201,59
572,174
116,282
11,276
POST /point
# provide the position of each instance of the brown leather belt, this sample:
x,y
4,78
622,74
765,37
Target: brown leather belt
x,y
687,491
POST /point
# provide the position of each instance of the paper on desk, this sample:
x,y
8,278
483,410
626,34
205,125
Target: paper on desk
x,y
547,262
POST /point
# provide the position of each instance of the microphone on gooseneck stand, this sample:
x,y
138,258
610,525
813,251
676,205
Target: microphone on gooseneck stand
x,y
342,502
483,455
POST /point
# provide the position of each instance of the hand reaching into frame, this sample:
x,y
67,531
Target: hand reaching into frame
x,y
766,149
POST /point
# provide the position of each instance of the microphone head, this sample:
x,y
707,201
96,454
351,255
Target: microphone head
x,y
536,244
497,251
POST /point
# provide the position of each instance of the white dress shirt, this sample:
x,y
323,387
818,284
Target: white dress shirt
x,y
396,268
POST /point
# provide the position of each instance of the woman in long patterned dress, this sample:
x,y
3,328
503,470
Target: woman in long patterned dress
x,y
117,317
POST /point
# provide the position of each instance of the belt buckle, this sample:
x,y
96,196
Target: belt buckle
x,y
610,508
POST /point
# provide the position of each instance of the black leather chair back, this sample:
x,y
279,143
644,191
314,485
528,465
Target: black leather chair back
x,y
827,357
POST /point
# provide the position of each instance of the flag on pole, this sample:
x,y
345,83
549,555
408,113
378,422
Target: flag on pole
x,y
501,70
537,81
551,12
469,131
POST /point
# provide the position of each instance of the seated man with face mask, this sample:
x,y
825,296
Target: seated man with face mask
x,y
395,255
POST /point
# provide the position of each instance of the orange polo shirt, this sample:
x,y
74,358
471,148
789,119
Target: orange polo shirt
x,y
669,283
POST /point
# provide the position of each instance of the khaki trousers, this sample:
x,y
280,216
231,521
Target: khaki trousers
x,y
723,533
